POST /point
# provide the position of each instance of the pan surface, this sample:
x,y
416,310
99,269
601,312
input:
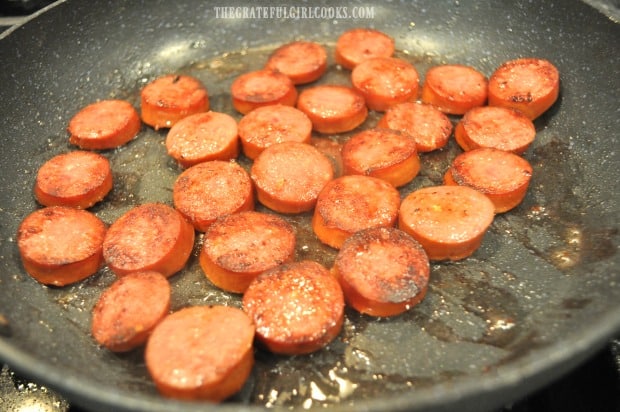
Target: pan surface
x,y
539,297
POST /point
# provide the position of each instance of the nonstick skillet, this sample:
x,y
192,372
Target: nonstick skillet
x,y
539,297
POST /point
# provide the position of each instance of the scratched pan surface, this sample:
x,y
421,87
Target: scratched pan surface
x,y
540,296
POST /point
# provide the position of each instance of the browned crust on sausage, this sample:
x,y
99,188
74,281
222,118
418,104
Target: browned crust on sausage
x,y
129,309
152,236
208,190
454,88
359,44
333,108
201,353
240,246
60,245
169,98
382,153
288,176
302,61
298,307
382,271
76,179
352,203
262,88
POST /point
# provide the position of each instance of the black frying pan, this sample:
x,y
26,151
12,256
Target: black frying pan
x,y
539,297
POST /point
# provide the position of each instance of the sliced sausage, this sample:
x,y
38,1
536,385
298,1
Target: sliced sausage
x,y
333,108
503,176
152,236
262,88
169,98
385,81
529,85
351,203
240,246
302,61
201,353
202,137
496,127
298,308
454,88
212,189
288,176
61,245
382,153
448,221
104,125
276,123
129,309
356,45
427,125
382,271
76,179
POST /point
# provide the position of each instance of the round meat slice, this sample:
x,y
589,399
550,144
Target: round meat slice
x,y
201,353
302,61
298,308
382,271
240,246
357,45
152,236
333,108
61,245
262,88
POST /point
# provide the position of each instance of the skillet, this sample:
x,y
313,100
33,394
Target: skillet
x,y
539,297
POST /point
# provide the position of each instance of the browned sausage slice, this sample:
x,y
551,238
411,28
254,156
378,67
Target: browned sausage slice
x,y
60,245
212,189
104,125
240,246
448,221
288,176
202,137
76,179
298,307
427,125
129,309
169,98
333,108
272,124
382,271
302,61
262,88
351,203
454,88
152,236
201,353
356,45
382,153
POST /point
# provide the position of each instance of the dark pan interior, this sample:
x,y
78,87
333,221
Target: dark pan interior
x,y
540,296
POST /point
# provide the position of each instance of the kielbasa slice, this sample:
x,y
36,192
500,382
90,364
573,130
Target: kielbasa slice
x,y
302,61
262,88
333,108
351,203
382,153
502,176
202,137
298,307
201,353
169,98
106,124
448,221
383,271
61,245
530,85
385,81
208,190
454,88
272,124
152,236
75,179
240,246
129,309
288,176
427,125
359,44
496,127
